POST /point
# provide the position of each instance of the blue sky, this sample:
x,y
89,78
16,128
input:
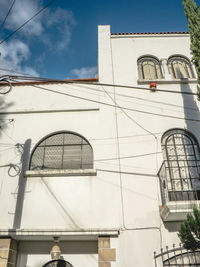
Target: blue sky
x,y
62,41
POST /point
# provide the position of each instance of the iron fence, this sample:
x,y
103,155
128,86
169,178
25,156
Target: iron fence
x,y
177,257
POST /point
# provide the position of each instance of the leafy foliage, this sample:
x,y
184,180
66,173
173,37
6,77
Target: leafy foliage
x,y
192,12
189,232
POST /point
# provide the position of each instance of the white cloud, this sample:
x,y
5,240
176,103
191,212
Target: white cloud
x,y
50,30
45,25
13,55
21,12
63,22
83,73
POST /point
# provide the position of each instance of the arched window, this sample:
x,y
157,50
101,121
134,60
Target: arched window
x,y
57,263
180,67
62,150
149,68
182,165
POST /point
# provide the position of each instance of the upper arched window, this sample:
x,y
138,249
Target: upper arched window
x,y
62,150
149,68
180,67
182,165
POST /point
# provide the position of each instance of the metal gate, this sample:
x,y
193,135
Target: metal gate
x,y
58,263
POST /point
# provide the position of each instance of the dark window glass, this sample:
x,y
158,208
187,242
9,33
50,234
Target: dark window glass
x,y
63,150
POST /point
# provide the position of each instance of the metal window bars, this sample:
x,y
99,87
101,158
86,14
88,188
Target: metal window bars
x,y
177,257
180,171
62,150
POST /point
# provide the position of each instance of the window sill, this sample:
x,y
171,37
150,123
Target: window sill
x,y
164,81
60,173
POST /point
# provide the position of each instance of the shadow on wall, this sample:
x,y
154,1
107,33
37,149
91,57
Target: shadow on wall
x,y
22,187
21,184
43,248
172,226
67,247
191,110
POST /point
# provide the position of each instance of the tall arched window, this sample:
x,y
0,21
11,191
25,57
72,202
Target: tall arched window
x,y
182,165
149,68
180,67
62,150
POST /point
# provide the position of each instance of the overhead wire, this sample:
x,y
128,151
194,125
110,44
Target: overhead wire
x,y
95,89
26,22
2,131
127,115
71,81
4,21
114,164
80,84
126,136
193,110
142,99
23,75
129,157
129,173
113,105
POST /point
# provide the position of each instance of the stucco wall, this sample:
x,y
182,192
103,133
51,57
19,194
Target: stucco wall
x,y
124,127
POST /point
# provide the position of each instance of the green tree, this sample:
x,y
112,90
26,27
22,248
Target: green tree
x,y
192,12
189,232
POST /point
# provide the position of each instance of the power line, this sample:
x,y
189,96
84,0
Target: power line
x,y
7,14
28,77
127,115
112,105
120,137
132,87
103,84
17,72
121,99
22,73
129,157
26,22
144,99
129,173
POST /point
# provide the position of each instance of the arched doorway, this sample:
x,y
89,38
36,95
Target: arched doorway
x,y
58,263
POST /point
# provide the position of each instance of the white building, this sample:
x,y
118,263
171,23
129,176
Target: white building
x,y
107,166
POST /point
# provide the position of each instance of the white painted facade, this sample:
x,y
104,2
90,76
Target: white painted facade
x,y
121,197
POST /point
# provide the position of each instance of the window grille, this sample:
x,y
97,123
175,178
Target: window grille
x,y
180,171
63,150
180,67
58,263
149,68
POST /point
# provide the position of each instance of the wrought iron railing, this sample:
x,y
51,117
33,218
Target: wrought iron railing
x,y
179,181
177,257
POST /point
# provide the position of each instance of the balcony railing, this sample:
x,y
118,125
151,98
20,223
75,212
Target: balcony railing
x,y
178,181
180,188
